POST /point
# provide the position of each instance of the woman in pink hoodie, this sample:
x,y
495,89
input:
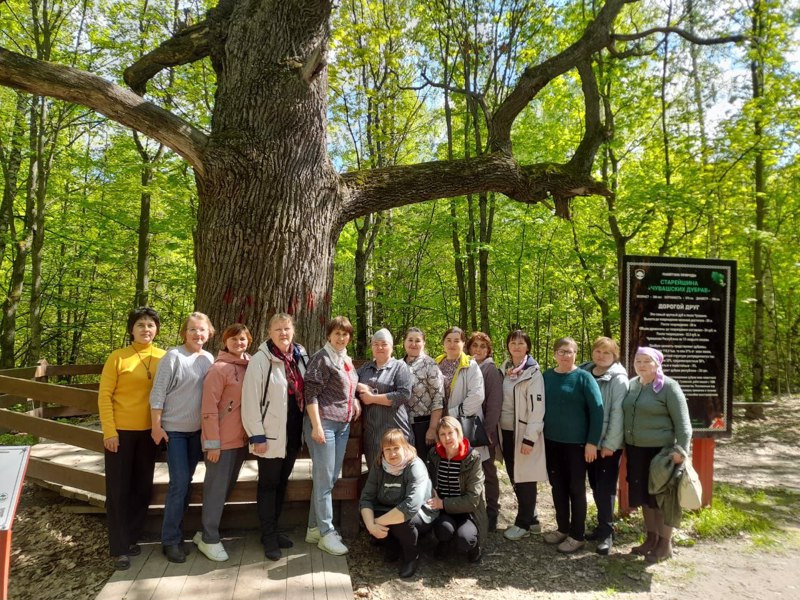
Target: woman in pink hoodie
x,y
224,438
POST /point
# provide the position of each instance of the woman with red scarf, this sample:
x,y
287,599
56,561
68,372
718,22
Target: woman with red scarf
x,y
272,415
457,476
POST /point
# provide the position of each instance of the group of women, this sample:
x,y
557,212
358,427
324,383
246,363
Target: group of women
x,y
424,475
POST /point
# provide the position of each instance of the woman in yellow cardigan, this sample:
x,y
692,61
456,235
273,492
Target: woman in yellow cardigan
x,y
130,454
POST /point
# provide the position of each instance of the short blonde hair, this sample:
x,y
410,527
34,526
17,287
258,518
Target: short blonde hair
x,y
606,343
449,422
199,317
395,437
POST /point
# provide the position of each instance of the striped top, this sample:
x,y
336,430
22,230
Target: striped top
x,y
448,478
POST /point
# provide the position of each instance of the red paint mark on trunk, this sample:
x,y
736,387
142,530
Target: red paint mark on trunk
x,y
310,301
227,297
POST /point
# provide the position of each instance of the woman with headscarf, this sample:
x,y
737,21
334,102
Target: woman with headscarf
x,y
384,389
656,420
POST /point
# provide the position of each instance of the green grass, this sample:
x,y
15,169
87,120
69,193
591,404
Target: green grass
x,y
737,511
17,439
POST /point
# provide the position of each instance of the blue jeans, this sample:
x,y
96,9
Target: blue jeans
x,y
183,453
326,464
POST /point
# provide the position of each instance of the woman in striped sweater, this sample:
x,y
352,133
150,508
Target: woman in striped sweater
x,y
457,476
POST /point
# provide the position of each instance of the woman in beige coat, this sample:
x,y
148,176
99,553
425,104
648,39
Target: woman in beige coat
x,y
521,426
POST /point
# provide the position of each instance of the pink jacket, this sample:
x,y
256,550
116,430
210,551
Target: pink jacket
x,y
222,403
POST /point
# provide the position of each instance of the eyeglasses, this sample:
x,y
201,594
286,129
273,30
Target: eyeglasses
x,y
565,352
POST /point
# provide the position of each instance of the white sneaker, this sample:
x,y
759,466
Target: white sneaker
x,y
332,544
313,535
515,533
215,552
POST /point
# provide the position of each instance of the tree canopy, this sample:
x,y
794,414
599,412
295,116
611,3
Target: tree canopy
x,y
485,163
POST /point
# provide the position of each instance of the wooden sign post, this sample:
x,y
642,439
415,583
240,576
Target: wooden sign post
x,y
13,463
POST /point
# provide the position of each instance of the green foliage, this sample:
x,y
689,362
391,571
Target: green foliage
x,y
382,111
17,439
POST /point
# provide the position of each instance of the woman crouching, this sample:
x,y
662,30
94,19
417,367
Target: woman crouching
x,y
457,476
394,501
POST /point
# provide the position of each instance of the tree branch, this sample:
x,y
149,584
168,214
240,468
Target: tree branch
x,y
123,106
691,37
594,132
380,189
595,37
187,46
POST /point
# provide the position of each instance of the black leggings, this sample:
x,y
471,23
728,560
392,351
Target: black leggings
x,y
566,468
458,526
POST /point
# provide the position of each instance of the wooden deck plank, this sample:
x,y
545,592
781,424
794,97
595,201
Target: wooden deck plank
x,y
151,573
275,579
214,580
337,577
300,581
317,571
175,575
303,573
252,570
121,582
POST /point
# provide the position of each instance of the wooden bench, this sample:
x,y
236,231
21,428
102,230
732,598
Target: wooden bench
x,y
31,384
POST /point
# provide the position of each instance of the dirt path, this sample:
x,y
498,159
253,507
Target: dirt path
x,y
58,555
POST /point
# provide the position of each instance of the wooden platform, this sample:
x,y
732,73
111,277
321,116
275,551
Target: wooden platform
x,y
304,573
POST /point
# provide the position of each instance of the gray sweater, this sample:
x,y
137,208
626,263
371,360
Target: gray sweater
x,y
408,492
178,388
656,420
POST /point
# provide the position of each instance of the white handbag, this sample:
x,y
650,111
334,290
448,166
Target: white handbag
x,y
690,490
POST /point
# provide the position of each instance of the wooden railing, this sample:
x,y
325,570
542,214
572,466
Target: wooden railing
x,y
29,385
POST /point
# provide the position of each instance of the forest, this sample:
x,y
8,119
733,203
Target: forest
x,y
685,117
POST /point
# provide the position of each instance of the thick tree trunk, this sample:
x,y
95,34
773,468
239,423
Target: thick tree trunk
x,y
269,210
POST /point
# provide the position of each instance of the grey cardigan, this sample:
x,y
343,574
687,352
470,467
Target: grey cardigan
x,y
654,420
613,388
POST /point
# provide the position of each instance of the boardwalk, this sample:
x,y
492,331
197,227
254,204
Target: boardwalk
x,y
304,573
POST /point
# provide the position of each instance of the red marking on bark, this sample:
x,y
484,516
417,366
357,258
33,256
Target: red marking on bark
x,y
293,306
322,320
309,301
327,299
248,300
227,297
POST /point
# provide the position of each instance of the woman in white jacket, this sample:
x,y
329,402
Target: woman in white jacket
x,y
521,426
463,381
272,415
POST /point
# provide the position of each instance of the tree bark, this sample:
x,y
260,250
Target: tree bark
x,y
269,205
759,181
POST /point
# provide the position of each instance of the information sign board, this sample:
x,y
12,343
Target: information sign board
x,y
685,307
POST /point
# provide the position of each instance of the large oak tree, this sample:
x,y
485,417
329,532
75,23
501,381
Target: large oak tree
x,y
271,204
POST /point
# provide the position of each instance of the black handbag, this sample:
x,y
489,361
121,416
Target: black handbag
x,y
473,428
